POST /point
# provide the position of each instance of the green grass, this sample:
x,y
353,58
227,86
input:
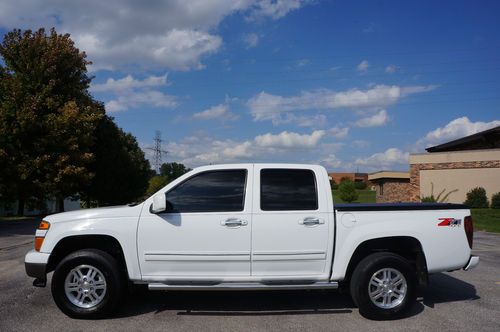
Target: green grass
x,y
486,220
365,196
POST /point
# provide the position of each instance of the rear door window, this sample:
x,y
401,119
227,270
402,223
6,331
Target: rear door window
x,y
288,189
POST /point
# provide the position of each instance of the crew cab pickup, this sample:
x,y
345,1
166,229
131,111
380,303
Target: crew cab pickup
x,y
250,227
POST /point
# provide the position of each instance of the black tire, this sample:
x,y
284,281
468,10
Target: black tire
x,y
360,285
111,272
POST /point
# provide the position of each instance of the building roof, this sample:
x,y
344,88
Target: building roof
x,y
389,175
488,139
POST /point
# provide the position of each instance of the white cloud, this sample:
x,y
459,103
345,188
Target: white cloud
x,y
360,143
339,132
457,128
302,62
130,92
251,40
363,66
384,160
174,34
201,150
376,120
391,69
128,83
315,121
220,111
290,139
241,150
265,106
275,8
331,162
141,98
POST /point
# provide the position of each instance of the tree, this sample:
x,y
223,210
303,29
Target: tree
x,y
476,198
173,170
47,117
120,167
348,191
156,183
495,201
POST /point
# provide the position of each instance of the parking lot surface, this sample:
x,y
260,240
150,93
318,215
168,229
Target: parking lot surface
x,y
458,301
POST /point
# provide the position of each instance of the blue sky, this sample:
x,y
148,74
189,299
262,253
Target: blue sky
x,y
352,85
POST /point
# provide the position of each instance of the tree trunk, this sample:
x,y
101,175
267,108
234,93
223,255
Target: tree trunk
x,y
20,207
60,205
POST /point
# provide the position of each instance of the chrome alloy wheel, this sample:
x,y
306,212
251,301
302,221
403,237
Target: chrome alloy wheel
x,y
387,288
85,286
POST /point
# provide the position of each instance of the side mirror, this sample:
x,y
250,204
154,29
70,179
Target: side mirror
x,y
159,203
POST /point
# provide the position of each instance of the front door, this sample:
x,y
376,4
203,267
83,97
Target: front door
x,y
204,233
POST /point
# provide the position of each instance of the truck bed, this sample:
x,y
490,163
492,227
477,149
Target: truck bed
x,y
398,206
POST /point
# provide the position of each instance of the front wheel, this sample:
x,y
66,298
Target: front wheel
x,y
383,285
87,284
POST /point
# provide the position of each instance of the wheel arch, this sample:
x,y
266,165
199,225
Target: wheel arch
x,y
69,244
406,246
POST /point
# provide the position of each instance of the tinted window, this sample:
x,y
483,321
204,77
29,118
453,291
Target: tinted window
x,y
287,189
214,191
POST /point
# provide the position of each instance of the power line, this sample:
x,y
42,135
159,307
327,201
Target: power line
x,y
337,78
365,55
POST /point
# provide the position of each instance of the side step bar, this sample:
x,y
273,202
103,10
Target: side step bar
x,y
243,286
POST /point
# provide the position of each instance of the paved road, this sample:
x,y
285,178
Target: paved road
x,y
458,301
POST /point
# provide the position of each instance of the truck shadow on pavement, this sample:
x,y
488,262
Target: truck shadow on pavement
x,y
443,288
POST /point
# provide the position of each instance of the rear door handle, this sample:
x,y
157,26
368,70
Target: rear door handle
x,y
234,222
309,221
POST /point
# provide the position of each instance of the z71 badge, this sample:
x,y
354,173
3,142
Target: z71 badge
x,y
452,222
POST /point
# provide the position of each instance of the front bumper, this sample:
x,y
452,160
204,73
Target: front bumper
x,y
472,263
35,264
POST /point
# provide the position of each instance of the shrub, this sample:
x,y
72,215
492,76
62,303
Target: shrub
x,y
495,201
428,199
348,191
439,198
360,185
334,185
476,198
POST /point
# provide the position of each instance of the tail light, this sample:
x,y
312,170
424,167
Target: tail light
x,y
469,229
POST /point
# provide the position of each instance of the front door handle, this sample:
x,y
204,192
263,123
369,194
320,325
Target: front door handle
x,y
309,221
234,222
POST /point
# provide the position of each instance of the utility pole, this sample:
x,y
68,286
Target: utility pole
x,y
158,151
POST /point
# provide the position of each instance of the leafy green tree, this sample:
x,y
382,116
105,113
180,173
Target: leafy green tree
x,y
47,117
476,198
120,167
173,170
495,201
347,191
156,183
360,185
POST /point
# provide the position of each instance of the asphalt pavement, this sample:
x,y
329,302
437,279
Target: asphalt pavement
x,y
457,301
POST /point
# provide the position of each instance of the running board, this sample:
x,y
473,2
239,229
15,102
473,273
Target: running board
x,y
243,286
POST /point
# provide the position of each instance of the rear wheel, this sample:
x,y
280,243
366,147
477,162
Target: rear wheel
x,y
383,286
87,284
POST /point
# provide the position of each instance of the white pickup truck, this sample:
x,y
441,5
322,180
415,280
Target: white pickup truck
x,y
250,227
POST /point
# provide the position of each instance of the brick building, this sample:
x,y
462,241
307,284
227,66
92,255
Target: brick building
x,y
391,186
454,167
355,177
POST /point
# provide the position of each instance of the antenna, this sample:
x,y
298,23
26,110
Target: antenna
x,y
158,151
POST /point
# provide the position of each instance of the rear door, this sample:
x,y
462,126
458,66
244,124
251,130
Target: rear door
x,y
291,224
